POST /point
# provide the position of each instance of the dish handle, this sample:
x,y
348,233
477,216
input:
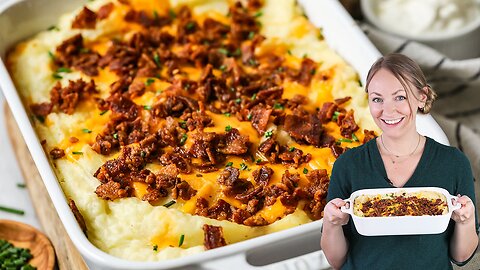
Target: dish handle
x,y
348,210
451,198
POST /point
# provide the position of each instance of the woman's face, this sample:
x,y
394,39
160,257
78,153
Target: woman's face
x,y
392,109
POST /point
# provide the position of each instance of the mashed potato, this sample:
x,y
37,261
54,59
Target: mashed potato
x,y
135,229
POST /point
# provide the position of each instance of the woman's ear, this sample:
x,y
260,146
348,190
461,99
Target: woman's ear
x,y
423,94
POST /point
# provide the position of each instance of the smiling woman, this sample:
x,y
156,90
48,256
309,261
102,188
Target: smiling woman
x,y
400,157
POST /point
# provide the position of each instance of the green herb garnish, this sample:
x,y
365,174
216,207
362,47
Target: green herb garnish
x,y
305,170
86,130
183,139
229,164
243,166
77,153
103,112
170,203
149,81
268,134
228,128
147,107
180,241
12,210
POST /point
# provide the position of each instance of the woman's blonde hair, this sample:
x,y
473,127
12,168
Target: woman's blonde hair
x,y
408,73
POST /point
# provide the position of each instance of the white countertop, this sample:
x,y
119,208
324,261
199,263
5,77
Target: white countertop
x,y
10,175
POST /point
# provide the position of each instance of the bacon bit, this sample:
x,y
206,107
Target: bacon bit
x,y
78,216
86,19
213,237
57,153
105,11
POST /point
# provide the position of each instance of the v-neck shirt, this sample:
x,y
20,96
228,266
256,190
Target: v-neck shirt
x,y
362,167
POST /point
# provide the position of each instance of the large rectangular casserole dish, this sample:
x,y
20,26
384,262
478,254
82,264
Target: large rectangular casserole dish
x,y
339,30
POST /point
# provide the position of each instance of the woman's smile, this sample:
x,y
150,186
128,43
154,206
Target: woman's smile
x,y
392,122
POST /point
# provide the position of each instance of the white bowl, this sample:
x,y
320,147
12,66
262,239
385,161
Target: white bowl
x,y
462,43
400,225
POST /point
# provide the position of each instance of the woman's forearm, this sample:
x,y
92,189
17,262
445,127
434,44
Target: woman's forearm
x,y
334,244
464,241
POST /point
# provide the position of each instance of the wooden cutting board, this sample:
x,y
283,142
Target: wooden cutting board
x,y
68,256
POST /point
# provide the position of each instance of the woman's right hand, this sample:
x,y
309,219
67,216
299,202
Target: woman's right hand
x,y
333,215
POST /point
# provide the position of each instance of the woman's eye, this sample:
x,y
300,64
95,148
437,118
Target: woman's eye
x,y
401,98
376,100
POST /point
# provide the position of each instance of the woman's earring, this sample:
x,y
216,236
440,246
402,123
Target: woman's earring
x,y
421,108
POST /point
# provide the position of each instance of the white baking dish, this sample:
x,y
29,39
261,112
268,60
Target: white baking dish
x,y
20,19
401,225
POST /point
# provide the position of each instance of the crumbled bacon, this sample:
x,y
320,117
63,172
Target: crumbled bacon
x,y
348,125
86,19
105,11
213,237
57,153
304,129
369,135
67,98
72,53
78,216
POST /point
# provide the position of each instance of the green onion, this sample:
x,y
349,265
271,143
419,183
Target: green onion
x,y
53,27
289,52
56,76
64,70
243,166
155,247
156,58
183,124
143,154
258,14
227,114
86,130
149,81
355,138
180,241
229,164
252,62
223,51
238,100
77,153
249,116
21,185
291,149
313,71
335,116
103,112
305,170
184,138
228,128
237,52
254,96
51,55
170,203
278,106
12,210
345,140
190,25
172,14
251,35
258,161
268,134
223,68
147,107
115,135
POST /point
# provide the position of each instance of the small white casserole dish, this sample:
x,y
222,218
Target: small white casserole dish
x,y
400,225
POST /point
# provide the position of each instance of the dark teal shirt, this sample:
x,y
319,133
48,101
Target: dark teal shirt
x,y
362,167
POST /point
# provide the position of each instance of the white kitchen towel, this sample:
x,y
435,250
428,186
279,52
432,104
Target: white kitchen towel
x,y
457,109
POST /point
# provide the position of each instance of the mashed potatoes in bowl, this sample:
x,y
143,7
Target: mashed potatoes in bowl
x,y
176,127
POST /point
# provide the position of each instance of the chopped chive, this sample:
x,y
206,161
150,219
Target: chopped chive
x,y
355,138
249,116
183,139
258,14
229,164
103,112
77,153
149,81
147,107
289,52
268,134
243,166
291,149
258,161
227,114
252,62
186,86
237,52
53,27
344,140
254,96
183,124
40,118
115,135
64,70
223,51
56,76
155,247
190,25
143,154
51,55
223,68
12,210
305,170
238,100
156,58
21,185
228,128
180,241
335,116
86,130
278,106
251,35
172,14
170,203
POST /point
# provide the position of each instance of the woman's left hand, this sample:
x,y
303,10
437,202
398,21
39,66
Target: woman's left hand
x,y
466,213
